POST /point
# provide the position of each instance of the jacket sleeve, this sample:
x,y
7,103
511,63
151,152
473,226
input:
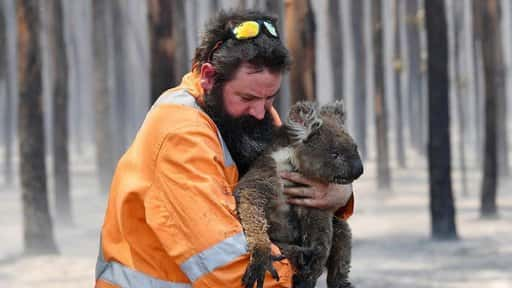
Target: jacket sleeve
x,y
191,209
346,211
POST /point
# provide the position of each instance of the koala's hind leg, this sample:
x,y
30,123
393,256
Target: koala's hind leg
x,y
316,233
297,255
338,264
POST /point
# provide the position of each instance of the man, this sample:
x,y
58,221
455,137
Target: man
x,y
171,219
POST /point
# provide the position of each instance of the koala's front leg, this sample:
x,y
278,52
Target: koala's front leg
x,y
338,264
251,210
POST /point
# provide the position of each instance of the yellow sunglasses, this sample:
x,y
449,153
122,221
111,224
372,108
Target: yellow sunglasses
x,y
247,30
253,28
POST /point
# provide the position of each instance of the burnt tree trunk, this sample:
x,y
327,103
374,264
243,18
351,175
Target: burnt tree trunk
x,y
400,148
300,29
336,47
501,105
163,75
489,22
5,90
413,38
442,210
460,90
381,125
276,8
37,228
182,61
242,4
358,22
478,67
60,117
120,97
103,132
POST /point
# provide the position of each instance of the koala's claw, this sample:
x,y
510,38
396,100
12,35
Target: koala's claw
x,y
259,265
278,257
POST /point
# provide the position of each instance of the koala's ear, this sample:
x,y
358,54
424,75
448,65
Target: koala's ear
x,y
303,119
334,111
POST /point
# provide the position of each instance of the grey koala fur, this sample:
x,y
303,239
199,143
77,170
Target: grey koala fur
x,y
314,143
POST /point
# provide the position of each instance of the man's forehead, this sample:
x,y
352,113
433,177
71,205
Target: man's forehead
x,y
248,68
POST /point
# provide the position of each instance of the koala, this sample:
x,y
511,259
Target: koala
x,y
314,143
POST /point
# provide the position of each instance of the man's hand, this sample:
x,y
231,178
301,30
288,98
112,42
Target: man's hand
x,y
316,194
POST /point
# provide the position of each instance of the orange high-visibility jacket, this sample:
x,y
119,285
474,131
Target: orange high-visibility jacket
x,y
171,218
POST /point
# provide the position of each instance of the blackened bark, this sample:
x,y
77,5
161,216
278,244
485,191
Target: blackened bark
x,y
358,22
489,22
103,133
241,4
460,90
182,62
381,125
163,75
7,113
501,105
414,69
37,228
300,31
336,47
120,95
60,117
274,7
400,148
442,210
478,67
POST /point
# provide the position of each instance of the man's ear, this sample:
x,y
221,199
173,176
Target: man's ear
x,y
207,76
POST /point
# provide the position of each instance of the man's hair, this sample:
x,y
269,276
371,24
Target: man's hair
x,y
229,53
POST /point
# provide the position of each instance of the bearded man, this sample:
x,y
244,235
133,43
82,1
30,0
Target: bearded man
x,y
171,218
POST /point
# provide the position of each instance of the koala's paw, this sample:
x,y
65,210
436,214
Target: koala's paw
x,y
298,256
340,284
260,263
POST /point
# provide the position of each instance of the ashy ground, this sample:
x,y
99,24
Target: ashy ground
x,y
391,231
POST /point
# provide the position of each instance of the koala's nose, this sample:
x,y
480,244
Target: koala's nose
x,y
357,168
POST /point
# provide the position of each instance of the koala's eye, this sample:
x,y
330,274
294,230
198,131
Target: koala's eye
x,y
336,155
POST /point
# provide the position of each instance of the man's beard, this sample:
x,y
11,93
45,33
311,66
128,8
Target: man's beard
x,y
246,137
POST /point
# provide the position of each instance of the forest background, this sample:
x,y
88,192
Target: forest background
x,y
427,85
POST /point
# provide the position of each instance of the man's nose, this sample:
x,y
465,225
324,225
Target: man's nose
x,y
257,111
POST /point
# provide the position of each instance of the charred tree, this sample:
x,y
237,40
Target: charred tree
x,y
120,88
460,90
7,112
501,104
478,67
60,152
414,68
358,22
336,47
381,125
102,106
274,7
242,4
300,29
490,50
397,61
182,63
163,45
442,209
37,228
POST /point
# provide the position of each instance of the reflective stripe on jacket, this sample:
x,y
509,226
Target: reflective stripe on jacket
x,y
171,219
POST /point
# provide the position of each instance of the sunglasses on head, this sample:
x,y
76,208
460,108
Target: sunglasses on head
x,y
248,30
